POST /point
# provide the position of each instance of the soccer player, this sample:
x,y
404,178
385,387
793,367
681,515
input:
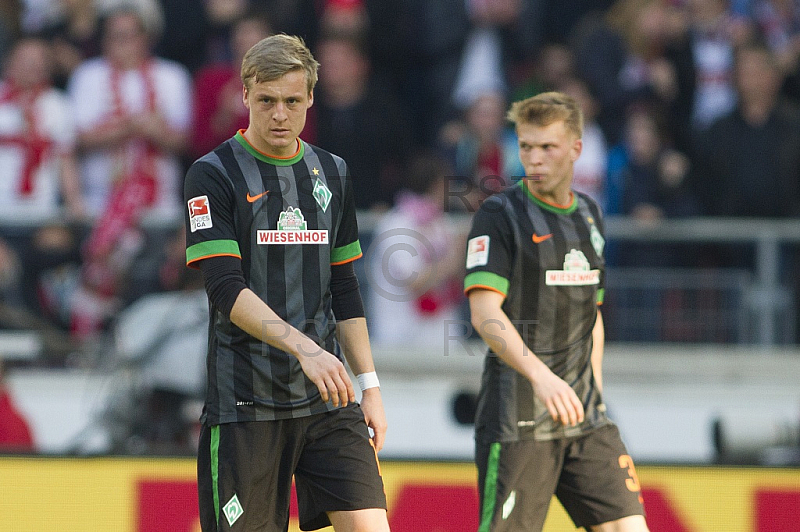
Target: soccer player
x,y
271,224
534,281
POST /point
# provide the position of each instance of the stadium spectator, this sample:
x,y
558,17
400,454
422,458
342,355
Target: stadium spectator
x,y
415,264
707,59
434,50
361,119
133,112
777,22
344,16
501,41
655,180
553,65
218,109
621,55
591,168
561,17
33,264
651,181
38,170
759,137
52,262
10,17
481,148
73,30
37,15
748,161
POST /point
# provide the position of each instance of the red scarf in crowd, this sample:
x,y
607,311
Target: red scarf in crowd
x,y
133,191
30,140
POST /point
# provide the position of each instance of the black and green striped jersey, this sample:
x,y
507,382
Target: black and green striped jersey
x,y
548,262
288,220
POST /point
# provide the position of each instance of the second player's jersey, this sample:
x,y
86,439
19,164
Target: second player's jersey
x,y
288,220
547,261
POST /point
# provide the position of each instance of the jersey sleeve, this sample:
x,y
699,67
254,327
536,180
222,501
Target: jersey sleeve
x,y
601,288
210,213
490,249
347,247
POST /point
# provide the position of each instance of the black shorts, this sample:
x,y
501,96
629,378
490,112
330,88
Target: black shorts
x,y
592,476
244,471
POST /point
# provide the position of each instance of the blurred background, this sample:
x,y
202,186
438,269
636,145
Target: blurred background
x,y
691,146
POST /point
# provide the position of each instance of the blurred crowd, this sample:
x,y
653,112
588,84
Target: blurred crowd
x,y
692,109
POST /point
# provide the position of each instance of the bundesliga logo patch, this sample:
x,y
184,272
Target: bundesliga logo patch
x,y
478,251
199,214
292,229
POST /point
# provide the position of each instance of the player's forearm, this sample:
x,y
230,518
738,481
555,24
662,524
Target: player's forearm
x,y
503,339
354,339
256,318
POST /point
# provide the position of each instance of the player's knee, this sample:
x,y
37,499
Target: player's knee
x,y
367,520
632,523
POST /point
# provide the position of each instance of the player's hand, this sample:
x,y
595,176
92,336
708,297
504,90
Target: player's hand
x,y
560,399
150,125
372,406
329,375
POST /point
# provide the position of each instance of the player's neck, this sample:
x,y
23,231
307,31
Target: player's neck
x,y
557,198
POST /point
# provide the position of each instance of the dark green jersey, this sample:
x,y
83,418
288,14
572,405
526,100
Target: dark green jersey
x,y
288,220
548,262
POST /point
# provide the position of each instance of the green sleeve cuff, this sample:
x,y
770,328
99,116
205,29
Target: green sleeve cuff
x,y
212,248
601,294
346,253
487,280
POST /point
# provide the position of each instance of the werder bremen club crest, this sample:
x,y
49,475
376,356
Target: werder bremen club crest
x,y
322,194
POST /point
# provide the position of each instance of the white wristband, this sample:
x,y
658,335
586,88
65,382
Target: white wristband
x,y
368,380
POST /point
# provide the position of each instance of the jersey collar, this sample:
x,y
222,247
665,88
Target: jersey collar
x,y
546,205
277,161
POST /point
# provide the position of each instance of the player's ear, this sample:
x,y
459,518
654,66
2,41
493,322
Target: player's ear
x,y
311,97
577,148
244,96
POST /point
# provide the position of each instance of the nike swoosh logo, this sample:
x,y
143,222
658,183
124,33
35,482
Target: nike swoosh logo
x,y
539,239
251,199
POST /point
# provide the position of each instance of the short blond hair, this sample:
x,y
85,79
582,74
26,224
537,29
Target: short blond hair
x,y
275,56
547,108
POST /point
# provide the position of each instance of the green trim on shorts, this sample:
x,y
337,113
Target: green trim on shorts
x,y
215,468
490,487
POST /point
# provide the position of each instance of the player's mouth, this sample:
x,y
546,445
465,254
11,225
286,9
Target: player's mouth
x,y
280,132
535,177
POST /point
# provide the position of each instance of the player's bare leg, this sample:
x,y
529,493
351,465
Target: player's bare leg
x,y
632,523
368,520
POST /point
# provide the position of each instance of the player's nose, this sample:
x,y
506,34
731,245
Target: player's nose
x,y
280,113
